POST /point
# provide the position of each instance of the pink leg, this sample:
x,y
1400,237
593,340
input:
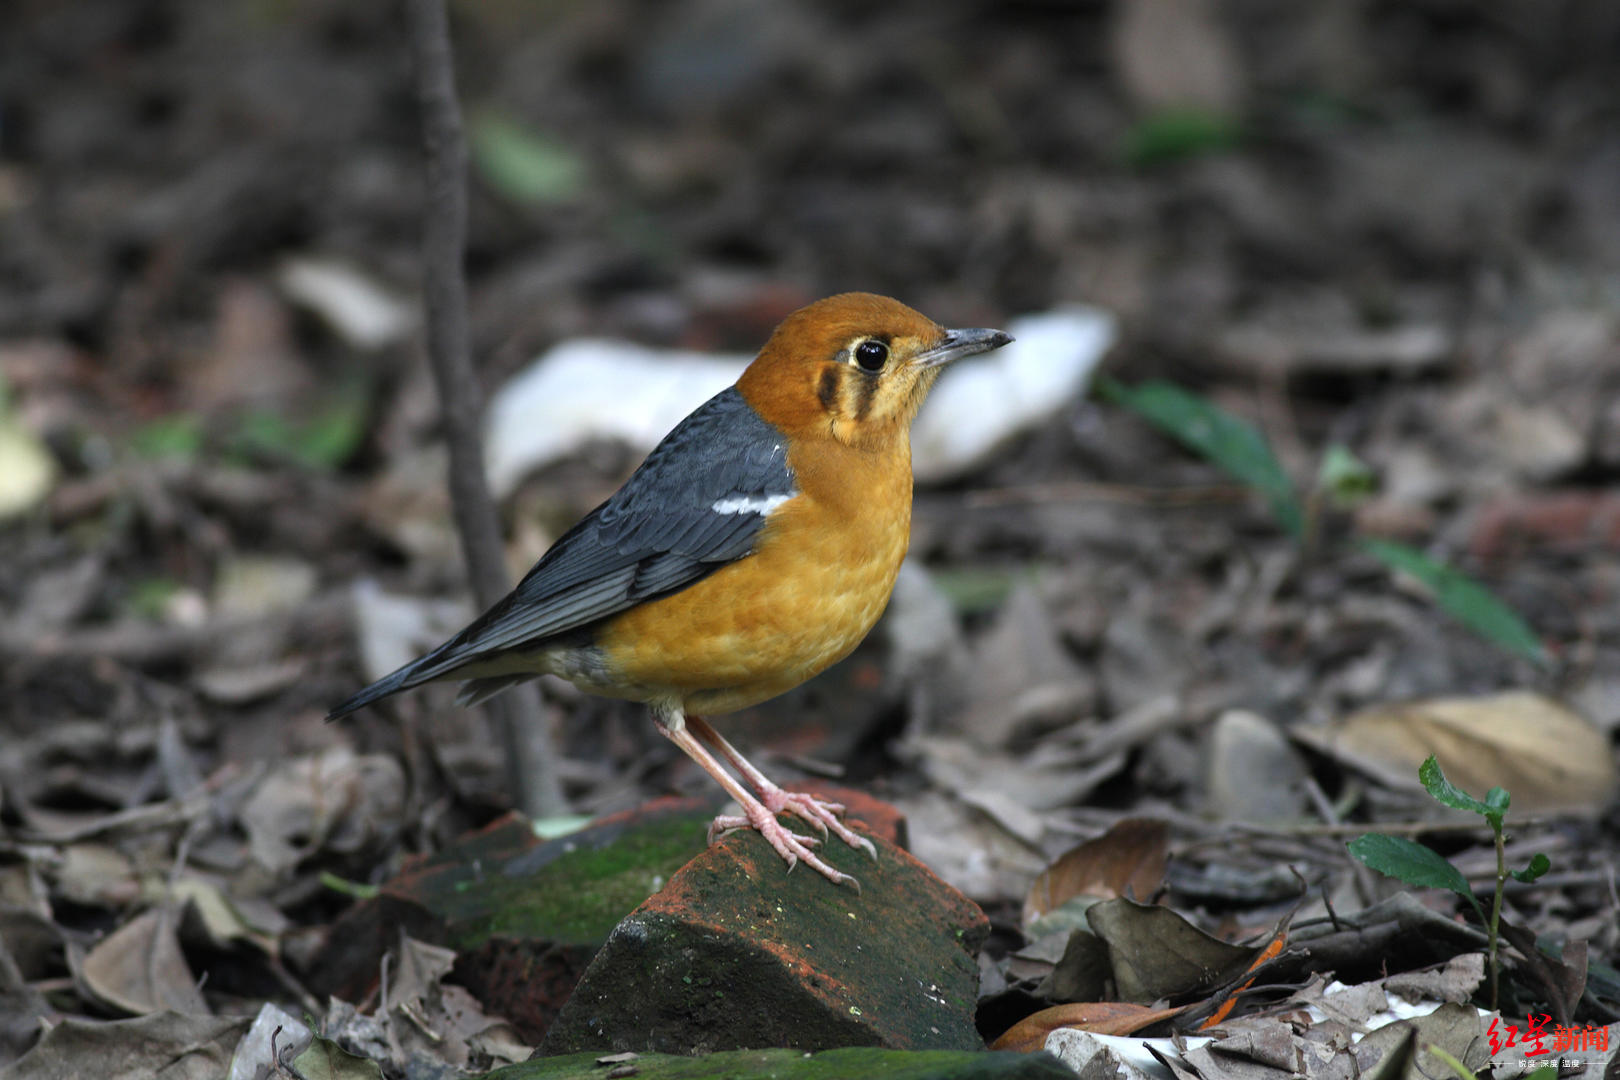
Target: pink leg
x,y
790,845
818,814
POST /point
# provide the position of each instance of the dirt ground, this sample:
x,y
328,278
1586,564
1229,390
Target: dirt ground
x,y
1389,227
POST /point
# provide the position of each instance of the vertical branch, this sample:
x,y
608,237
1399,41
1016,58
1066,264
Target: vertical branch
x,y
444,231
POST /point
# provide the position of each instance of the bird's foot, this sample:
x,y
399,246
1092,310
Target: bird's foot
x,y
819,814
726,823
793,847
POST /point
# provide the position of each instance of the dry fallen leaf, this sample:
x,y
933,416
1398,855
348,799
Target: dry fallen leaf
x,y
139,968
1127,860
418,967
1252,772
1102,1017
95,875
167,1045
335,800
1155,952
1259,1047
1549,758
966,848
1270,951
217,917
1453,1028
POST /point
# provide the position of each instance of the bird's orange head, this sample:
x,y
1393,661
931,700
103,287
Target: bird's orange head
x,y
854,367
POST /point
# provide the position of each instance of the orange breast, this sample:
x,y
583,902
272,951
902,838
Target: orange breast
x,y
816,584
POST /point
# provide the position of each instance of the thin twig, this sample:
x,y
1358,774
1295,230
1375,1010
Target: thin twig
x,y
149,816
518,712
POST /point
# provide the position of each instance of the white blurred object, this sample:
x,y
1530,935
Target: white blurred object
x,y
276,1037
590,388
984,401
27,469
1124,1056
358,308
593,388
394,629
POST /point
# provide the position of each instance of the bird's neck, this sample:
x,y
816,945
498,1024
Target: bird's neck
x,y
855,478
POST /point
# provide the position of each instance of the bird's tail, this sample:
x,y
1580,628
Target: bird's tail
x,y
477,691
435,665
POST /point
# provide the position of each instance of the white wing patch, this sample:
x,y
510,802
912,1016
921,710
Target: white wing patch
x,y
749,504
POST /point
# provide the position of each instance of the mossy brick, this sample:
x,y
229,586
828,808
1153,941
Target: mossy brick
x,y
850,1063
528,914
737,951
525,914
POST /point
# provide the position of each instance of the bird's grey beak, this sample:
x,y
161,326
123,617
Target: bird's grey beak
x,y
960,343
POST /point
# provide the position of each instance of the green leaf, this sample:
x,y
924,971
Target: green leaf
x,y
973,590
1171,135
1345,478
1230,442
524,166
1539,865
1498,799
1413,863
1444,791
326,1060
323,441
178,435
149,597
1463,598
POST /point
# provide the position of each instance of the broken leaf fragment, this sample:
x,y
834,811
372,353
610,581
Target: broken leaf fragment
x,y
1127,860
1156,952
1102,1017
139,968
1550,757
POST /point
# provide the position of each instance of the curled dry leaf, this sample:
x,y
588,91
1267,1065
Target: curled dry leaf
x,y
1127,860
1270,951
1252,772
139,968
95,875
212,915
1455,1029
170,1045
418,968
1551,759
1156,953
1259,1047
335,800
1103,1017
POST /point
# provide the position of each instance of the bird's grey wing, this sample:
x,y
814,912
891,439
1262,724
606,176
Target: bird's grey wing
x,y
696,503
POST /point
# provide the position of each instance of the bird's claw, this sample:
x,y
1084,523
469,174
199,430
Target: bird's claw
x,y
793,847
724,824
821,815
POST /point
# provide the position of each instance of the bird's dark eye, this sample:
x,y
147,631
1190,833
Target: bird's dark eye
x,y
870,355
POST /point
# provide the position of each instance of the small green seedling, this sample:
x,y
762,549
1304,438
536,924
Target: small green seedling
x,y
1238,447
1417,864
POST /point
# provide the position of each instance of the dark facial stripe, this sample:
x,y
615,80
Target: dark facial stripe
x,y
865,391
827,389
